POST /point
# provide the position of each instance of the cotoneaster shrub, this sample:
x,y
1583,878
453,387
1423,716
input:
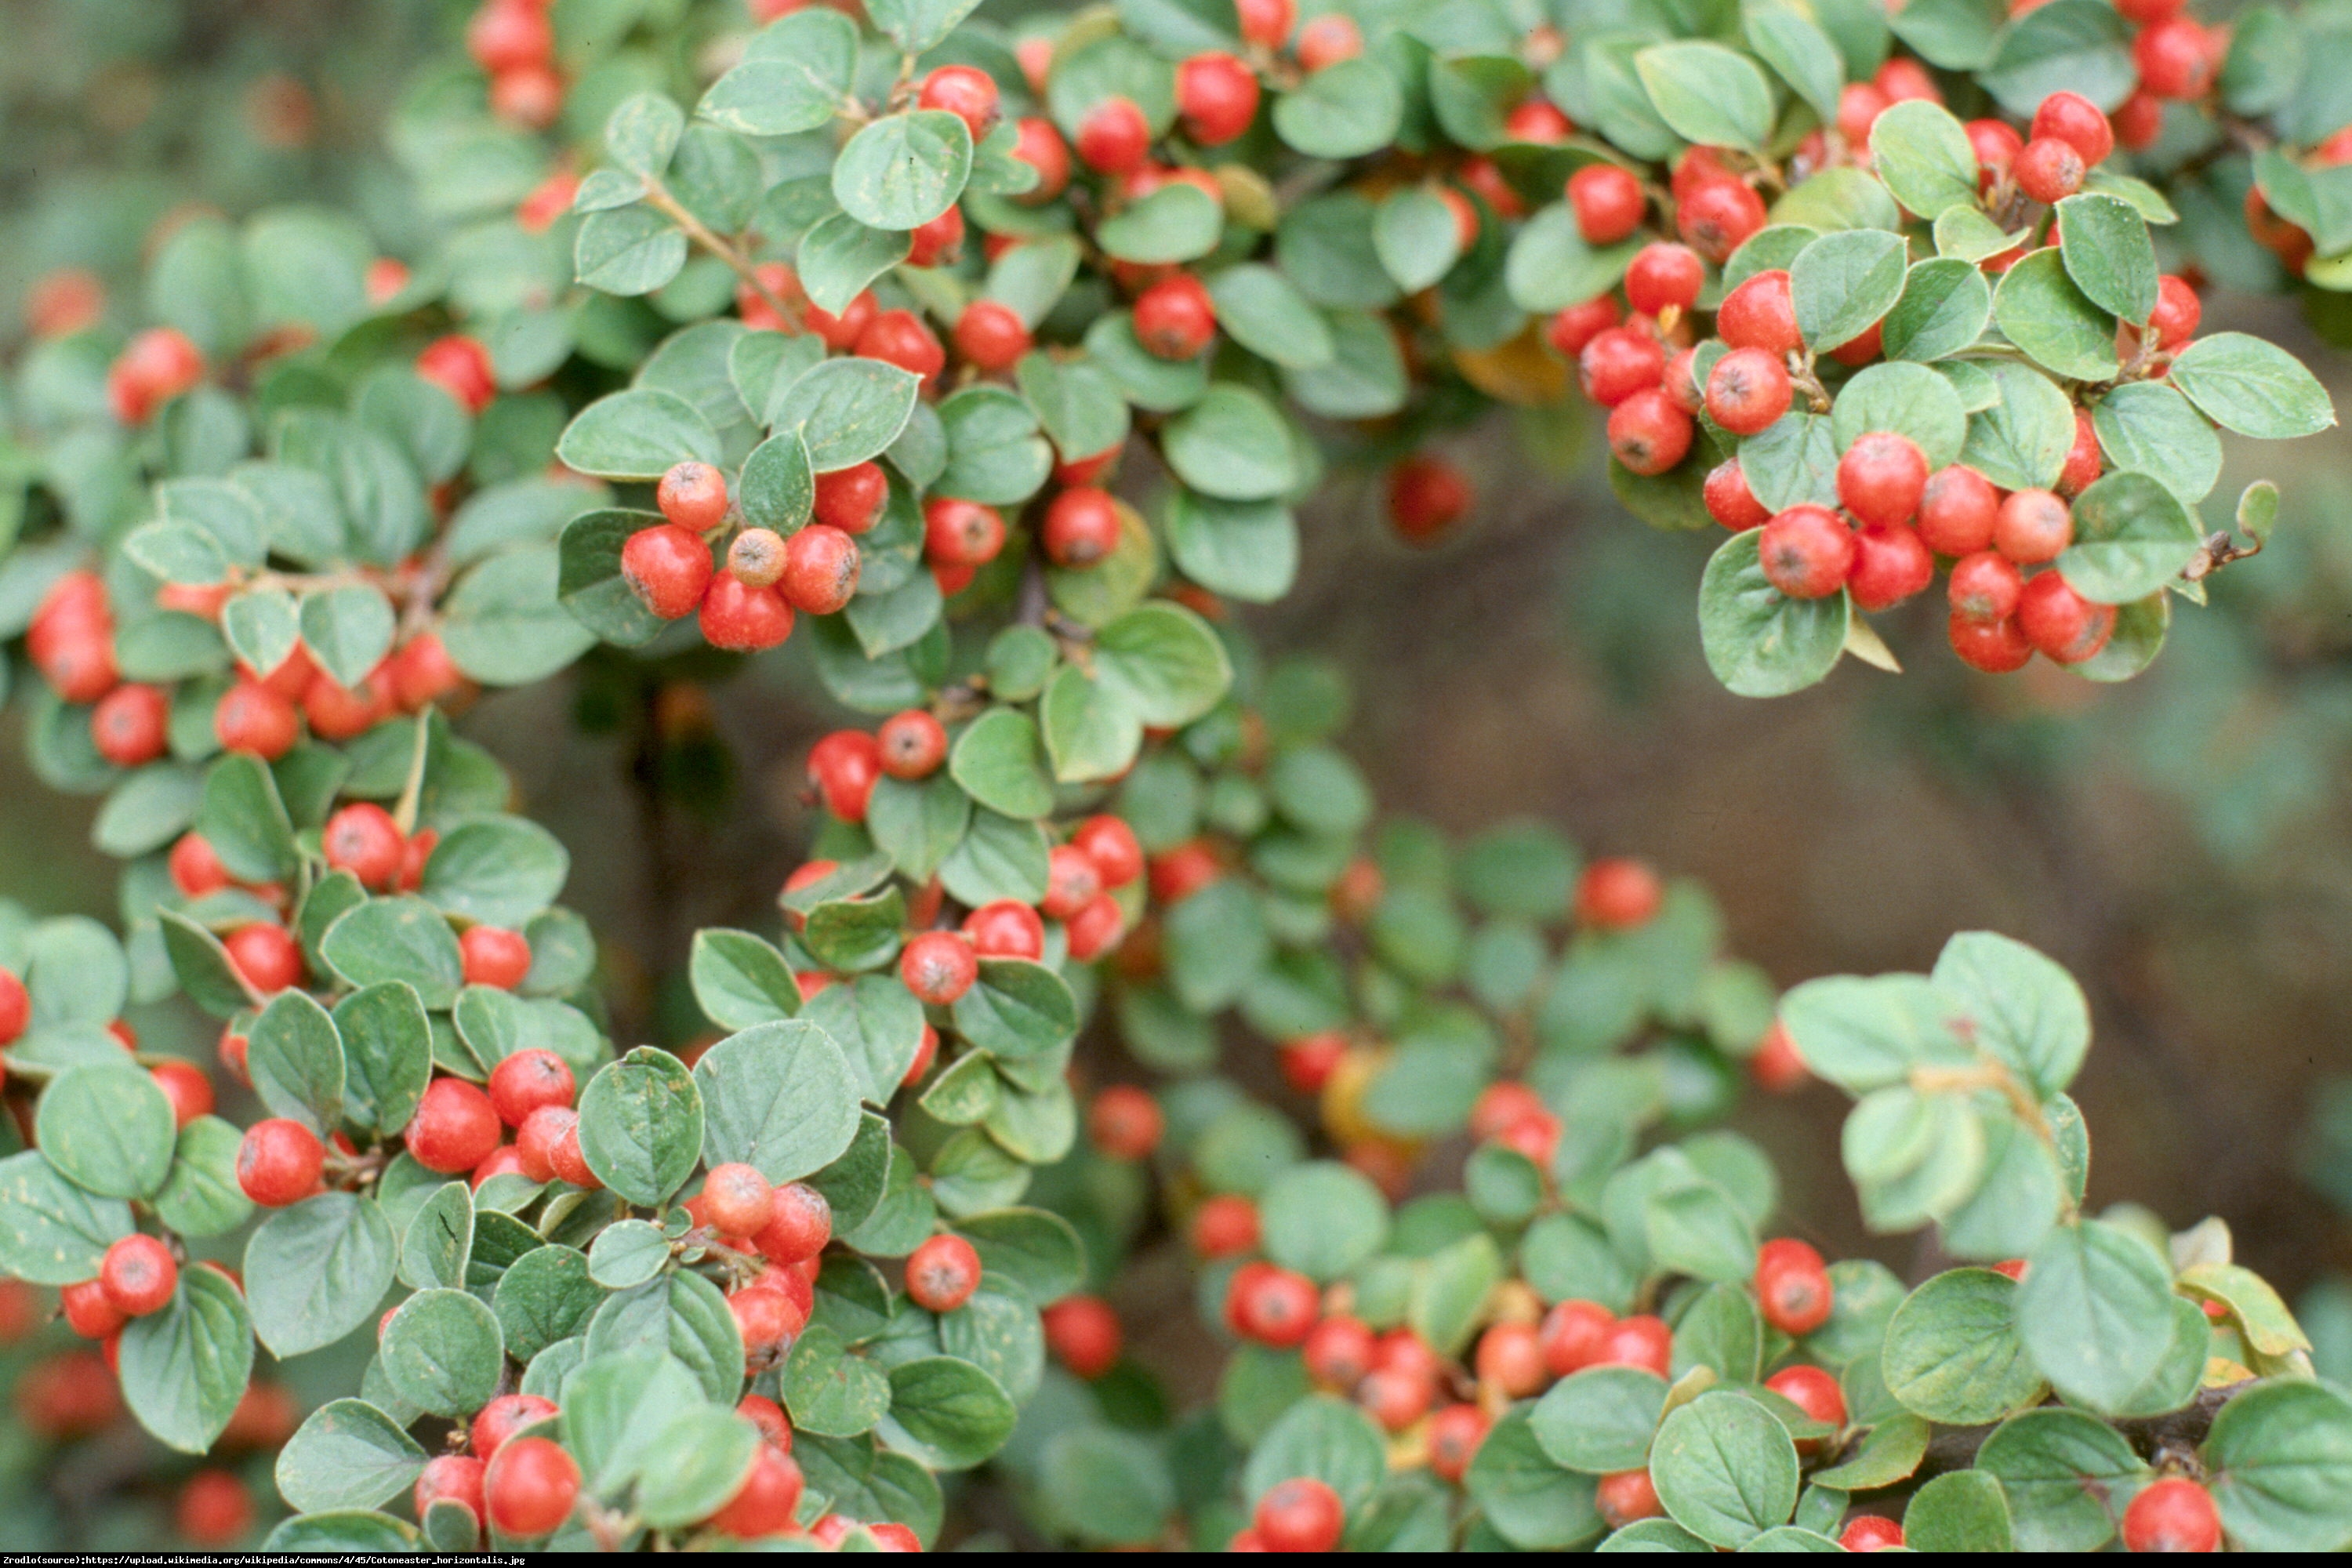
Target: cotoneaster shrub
x,y
989,367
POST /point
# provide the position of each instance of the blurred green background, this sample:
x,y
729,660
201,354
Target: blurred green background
x,y
2182,843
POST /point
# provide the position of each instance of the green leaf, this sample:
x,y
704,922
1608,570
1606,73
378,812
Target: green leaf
x,y
1550,265
641,1125
51,1231
2021,441
1890,1452
1016,1009
2281,1458
947,1413
347,1455
318,1270
830,1391
2147,427
1707,94
2253,387
1416,238
2094,1312
1759,642
1164,664
2078,48
697,1463
840,257
1601,1419
847,410
1910,400
1842,282
1265,312
1803,56
201,1197
1234,445
107,1129
1725,1468
297,1061
1952,1352
1964,1510
1107,1487
1343,110
2132,536
2104,244
1037,1250
739,980
443,1351
245,821
999,763
2067,1477
183,1369
1178,221
439,1240
903,170
547,1295
779,1097
1923,154
2025,1008
1323,1219
2039,308
627,250
1318,1439
499,871
794,77
403,939
639,434
1530,1501
615,1406
1944,306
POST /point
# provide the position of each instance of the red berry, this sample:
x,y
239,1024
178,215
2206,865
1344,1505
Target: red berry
x,y
1175,318
423,672
927,244
1510,1358
1903,79
1792,1287
536,1139
899,338
185,1086
1454,1435
1266,22
1863,347
1617,895
153,368
1308,1062
16,1005
1272,1306
938,966
1083,1332
1747,391
1995,145
2078,121
337,713
501,1418
841,768
1396,1397
1681,384
506,35
64,301
252,719
961,533
1813,1391
1729,500
530,1487
130,725
2062,625
1328,39
2139,120
2083,463
1217,95
910,746
1570,330
266,955
1872,1532
2174,1514
1985,587
821,570
528,1081
1957,512
1224,1226
667,568
89,1311
1625,1496
1040,146
741,618
799,1222
2049,170
991,336
1761,313
363,840
460,366
2176,58
1640,1340
139,1275
1426,496
213,1510
964,91
1607,202
1111,845
2142,13
775,1427
693,496
767,1321
1718,218
1081,527
765,1504
1619,361
1663,275
1648,434
452,1477
1302,1514
942,1273
841,332
1005,928
2177,311
1996,646
1859,106
1114,138
1573,1336
1806,553
1882,479
494,956
2033,527
280,1163
455,1126
1125,1122
851,499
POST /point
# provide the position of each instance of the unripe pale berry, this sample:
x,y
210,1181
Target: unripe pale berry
x,y
1806,552
942,1273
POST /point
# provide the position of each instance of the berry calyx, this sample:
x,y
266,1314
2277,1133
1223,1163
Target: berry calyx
x,y
961,533
693,496
942,1273
1648,434
1270,1305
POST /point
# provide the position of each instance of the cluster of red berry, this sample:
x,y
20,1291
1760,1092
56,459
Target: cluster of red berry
x,y
514,41
749,603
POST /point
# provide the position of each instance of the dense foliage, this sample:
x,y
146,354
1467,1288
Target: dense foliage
x,y
851,356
